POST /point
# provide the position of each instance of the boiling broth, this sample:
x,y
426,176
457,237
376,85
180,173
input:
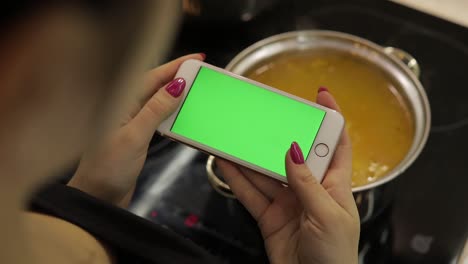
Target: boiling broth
x,y
377,118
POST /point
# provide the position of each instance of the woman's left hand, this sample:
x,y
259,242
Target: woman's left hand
x,y
110,171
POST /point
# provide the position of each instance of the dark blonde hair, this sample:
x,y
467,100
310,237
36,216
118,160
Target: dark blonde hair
x,y
118,21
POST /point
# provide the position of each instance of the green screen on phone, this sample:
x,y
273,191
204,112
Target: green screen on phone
x,y
246,121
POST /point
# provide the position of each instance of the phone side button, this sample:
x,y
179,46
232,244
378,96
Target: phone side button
x,y
321,150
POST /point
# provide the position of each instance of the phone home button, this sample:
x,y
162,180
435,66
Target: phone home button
x,y
321,150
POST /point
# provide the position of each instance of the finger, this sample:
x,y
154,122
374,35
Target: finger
x,y
160,76
308,190
342,159
326,99
338,181
268,186
282,210
253,199
162,104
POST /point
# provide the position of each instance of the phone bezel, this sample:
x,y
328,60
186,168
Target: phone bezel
x,y
329,132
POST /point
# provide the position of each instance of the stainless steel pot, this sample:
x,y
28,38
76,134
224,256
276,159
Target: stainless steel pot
x,y
400,67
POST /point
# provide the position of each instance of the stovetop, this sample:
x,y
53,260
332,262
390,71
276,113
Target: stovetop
x,y
428,221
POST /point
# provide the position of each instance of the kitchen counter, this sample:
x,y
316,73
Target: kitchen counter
x,y
452,10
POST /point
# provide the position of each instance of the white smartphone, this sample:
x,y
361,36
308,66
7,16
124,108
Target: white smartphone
x,y
250,123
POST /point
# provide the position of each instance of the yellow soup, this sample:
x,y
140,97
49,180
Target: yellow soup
x,y
377,118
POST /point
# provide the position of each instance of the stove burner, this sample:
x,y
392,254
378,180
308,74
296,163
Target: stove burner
x,y
440,74
440,56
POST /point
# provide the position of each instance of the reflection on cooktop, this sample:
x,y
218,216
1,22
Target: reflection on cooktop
x,y
173,191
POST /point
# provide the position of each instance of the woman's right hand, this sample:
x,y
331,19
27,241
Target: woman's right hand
x,y
109,171
307,222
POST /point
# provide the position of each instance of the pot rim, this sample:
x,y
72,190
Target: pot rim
x,y
418,143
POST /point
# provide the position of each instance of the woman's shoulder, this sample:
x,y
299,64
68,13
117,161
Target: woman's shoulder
x,y
54,240
130,238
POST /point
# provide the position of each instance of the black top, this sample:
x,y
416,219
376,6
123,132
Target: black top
x,y
130,238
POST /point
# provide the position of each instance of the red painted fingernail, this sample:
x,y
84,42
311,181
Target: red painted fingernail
x,y
322,89
203,55
296,153
176,87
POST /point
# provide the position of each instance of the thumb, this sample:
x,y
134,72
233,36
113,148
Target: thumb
x,y
313,197
159,107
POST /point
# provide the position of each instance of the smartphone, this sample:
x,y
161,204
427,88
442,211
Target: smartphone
x,y
250,123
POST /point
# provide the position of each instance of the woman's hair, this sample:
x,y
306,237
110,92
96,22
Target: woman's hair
x,y
118,23
115,18
12,11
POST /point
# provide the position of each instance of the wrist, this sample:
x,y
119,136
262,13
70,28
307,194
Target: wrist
x,y
102,191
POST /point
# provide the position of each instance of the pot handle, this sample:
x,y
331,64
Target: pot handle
x,y
406,58
219,185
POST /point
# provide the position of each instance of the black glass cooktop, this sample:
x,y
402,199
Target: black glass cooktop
x,y
427,222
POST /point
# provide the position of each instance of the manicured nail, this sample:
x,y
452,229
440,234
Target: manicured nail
x,y
322,89
296,153
176,87
203,55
